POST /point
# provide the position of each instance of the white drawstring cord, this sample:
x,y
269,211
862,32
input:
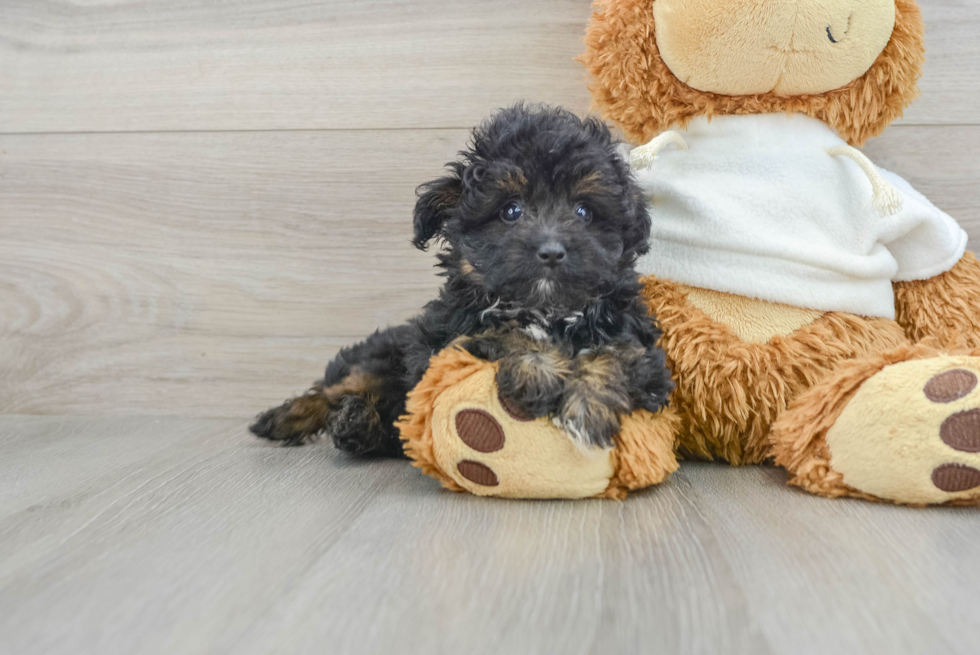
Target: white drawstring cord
x,y
887,200
643,156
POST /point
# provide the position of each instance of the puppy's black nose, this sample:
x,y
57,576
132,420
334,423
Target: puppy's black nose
x,y
552,253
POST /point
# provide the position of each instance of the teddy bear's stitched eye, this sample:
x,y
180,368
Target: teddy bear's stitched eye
x,y
511,212
584,213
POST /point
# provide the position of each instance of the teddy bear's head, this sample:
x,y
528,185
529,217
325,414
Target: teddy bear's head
x,y
656,64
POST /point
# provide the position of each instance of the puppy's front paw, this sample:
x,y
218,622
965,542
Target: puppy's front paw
x,y
357,428
487,348
588,421
593,402
531,384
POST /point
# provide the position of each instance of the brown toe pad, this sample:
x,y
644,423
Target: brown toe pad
x,y
951,385
477,473
961,431
480,431
956,477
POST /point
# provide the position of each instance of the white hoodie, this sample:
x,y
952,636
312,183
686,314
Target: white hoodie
x,y
756,206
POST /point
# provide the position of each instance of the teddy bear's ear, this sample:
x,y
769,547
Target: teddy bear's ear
x,y
436,201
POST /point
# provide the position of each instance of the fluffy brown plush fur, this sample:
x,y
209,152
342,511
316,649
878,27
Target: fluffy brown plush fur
x,y
730,391
446,369
644,453
944,307
632,86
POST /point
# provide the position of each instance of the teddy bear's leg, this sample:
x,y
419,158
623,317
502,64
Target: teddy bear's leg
x,y
738,362
945,307
460,431
902,427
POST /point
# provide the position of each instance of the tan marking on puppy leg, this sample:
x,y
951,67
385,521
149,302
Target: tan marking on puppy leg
x,y
595,397
357,383
542,368
531,379
307,414
598,370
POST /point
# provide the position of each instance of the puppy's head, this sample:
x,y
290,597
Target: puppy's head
x,y
541,211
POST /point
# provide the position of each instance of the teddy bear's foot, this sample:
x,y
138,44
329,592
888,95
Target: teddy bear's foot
x,y
903,427
461,432
488,449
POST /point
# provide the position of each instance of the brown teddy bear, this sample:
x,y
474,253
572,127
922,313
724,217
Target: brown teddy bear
x,y
817,310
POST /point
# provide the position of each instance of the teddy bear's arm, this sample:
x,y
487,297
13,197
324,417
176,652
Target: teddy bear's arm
x,y
945,307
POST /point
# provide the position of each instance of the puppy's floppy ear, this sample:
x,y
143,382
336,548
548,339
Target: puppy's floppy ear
x,y
636,232
436,201
637,236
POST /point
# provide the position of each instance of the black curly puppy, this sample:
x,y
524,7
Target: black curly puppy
x,y
541,225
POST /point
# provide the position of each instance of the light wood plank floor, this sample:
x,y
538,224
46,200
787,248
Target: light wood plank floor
x,y
200,202
130,535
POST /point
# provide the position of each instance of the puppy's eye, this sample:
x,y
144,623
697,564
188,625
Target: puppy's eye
x,y
511,212
583,212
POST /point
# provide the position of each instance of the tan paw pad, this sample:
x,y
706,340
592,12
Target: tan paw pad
x,y
911,433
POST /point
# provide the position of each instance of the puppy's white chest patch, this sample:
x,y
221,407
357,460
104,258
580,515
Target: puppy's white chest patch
x,y
536,332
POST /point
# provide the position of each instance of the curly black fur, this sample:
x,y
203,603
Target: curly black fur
x,y
541,225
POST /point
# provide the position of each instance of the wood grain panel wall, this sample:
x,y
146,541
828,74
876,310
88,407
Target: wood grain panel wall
x,y
132,65
201,273
201,201
282,64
